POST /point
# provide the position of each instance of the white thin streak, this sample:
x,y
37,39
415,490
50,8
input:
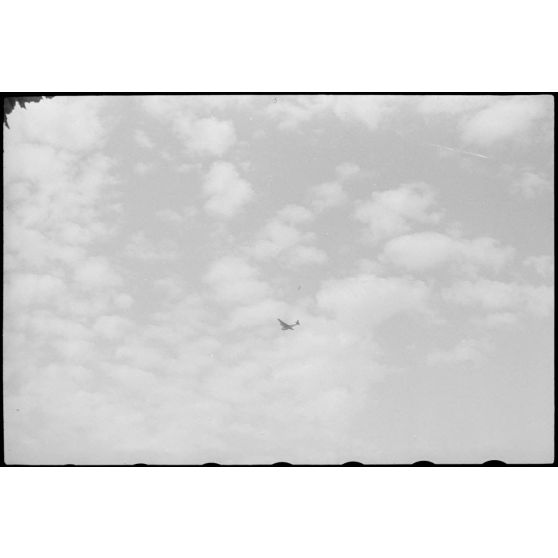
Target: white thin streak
x,y
460,151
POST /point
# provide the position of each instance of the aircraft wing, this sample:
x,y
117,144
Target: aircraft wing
x,y
282,322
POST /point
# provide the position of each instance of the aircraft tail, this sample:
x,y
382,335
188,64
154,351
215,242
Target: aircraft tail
x,y
297,323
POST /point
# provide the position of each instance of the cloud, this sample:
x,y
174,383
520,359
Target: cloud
x,y
503,118
123,301
543,265
532,184
392,212
96,272
235,281
70,123
192,118
26,289
143,140
171,216
332,194
345,171
497,320
226,191
256,314
307,255
295,214
427,250
366,300
282,239
467,351
142,168
141,247
112,327
328,195
206,136
369,110
501,296
451,104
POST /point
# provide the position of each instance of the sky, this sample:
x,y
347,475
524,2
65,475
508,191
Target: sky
x,y
151,243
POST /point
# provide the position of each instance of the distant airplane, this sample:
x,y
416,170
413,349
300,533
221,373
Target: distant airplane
x,y
285,326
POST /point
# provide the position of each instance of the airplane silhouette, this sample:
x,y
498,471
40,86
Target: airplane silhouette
x,y
285,326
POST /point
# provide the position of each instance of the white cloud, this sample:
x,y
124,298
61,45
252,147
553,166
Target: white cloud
x,y
143,248
280,238
112,327
184,215
96,272
426,250
345,171
496,320
71,123
206,136
328,195
332,194
369,110
451,104
123,300
226,191
503,118
142,168
169,215
301,255
235,281
499,295
467,351
392,212
26,289
532,184
143,140
543,265
367,300
257,314
276,238
295,214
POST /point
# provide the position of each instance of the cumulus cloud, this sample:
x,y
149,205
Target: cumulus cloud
x,y
451,104
427,250
143,140
95,272
295,214
173,216
302,255
71,123
206,136
531,184
282,238
112,327
291,111
467,351
346,170
225,190
499,296
389,213
142,168
193,121
143,248
26,289
332,194
503,118
328,195
543,265
233,280
367,300
495,320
